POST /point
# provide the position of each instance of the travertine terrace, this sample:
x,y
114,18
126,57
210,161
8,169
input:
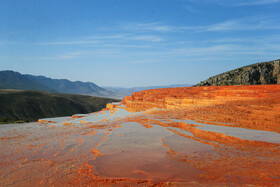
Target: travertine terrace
x,y
191,136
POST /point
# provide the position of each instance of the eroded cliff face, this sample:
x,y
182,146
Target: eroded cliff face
x,y
255,106
260,73
169,98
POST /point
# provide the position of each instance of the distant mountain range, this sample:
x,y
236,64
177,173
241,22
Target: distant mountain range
x,y
121,92
259,73
15,80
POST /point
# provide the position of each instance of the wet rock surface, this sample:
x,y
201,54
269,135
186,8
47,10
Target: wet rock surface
x,y
206,136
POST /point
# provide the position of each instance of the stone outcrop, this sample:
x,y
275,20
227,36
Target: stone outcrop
x,y
255,74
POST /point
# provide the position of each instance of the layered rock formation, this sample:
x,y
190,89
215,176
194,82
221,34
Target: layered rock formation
x,y
168,98
260,73
254,107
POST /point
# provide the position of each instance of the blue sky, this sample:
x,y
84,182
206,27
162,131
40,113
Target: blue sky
x,y
136,42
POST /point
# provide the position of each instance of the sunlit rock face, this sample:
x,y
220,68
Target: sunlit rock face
x,y
191,136
197,96
255,74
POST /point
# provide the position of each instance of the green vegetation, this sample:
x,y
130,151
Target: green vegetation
x,y
260,73
5,120
23,106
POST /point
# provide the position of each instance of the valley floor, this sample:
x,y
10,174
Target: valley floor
x,y
235,143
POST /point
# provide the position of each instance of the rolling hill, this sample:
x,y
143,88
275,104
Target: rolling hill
x,y
259,73
32,105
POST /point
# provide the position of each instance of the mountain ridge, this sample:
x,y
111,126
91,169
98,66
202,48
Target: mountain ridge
x,y
254,74
71,87
15,80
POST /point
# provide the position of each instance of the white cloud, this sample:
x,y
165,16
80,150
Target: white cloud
x,y
202,51
270,39
116,45
235,2
149,38
256,2
80,42
144,61
77,54
191,9
106,40
249,23
148,27
100,37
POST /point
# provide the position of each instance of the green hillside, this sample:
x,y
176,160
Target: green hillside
x,y
32,105
259,73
